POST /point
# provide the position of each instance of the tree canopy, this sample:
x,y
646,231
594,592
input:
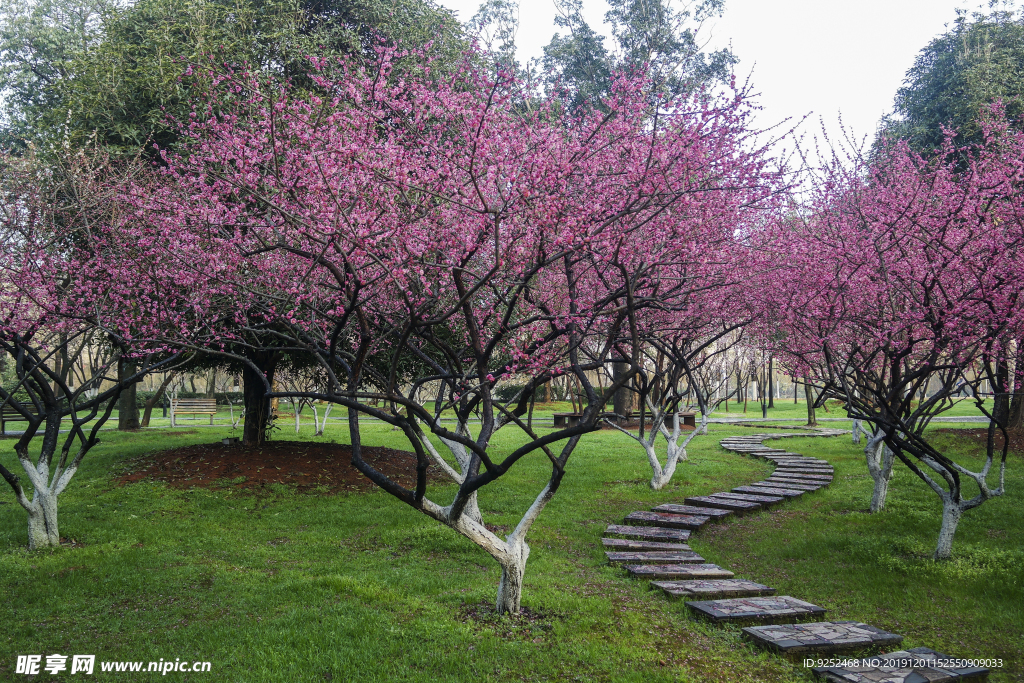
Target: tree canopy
x,y
75,69
654,35
978,61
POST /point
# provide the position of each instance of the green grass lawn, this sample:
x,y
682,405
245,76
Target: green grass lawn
x,y
282,586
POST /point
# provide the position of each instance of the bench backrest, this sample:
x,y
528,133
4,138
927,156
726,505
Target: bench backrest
x,y
194,403
11,411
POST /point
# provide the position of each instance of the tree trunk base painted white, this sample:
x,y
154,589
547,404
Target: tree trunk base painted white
x,y
513,568
42,523
878,496
880,460
951,513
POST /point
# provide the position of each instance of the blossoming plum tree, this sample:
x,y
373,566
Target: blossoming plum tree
x,y
437,234
51,301
902,288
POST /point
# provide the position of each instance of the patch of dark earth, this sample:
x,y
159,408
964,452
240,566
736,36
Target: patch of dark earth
x,y
313,467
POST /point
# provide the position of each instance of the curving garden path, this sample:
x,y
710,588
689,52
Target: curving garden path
x,y
652,545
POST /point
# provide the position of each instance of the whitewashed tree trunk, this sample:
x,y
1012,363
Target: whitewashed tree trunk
x,y
661,475
513,569
855,431
319,426
951,513
43,531
510,553
880,460
42,521
462,457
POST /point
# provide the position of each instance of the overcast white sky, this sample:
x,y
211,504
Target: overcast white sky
x,y
818,57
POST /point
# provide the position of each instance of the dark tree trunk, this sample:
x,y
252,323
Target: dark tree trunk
x,y
771,382
127,409
1001,400
211,384
620,402
154,400
257,405
1016,417
812,418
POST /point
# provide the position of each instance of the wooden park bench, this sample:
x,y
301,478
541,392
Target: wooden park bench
x,y
193,406
567,419
9,414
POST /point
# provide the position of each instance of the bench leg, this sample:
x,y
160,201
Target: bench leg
x,y
211,420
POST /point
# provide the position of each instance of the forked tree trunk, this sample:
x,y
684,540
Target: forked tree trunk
x,y
462,457
511,553
675,451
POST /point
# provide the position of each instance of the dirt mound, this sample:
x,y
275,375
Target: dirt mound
x,y
980,437
306,466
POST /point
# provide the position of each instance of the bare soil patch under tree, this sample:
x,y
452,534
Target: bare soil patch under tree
x,y
304,465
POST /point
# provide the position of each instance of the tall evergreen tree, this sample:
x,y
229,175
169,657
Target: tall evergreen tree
x,y
978,61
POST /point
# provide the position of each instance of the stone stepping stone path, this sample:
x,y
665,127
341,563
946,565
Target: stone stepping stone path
x,y
655,557
803,476
713,513
768,491
750,497
789,484
737,506
629,544
918,665
817,480
649,546
712,589
678,571
648,533
667,520
821,638
776,609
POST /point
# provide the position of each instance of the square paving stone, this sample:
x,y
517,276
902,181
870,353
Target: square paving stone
x,y
801,462
713,513
802,475
768,491
797,479
666,520
629,544
774,609
825,637
751,497
712,589
678,571
917,665
737,506
655,557
647,533
790,484
786,483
